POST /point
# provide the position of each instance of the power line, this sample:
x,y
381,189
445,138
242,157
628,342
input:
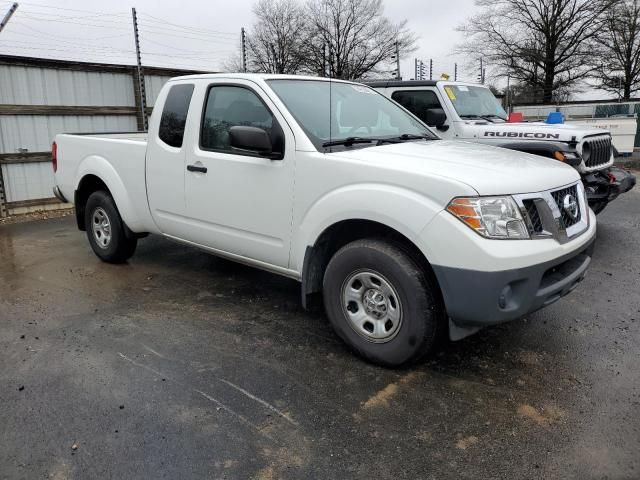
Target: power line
x,y
116,26
40,5
100,17
50,35
160,28
183,36
189,52
188,27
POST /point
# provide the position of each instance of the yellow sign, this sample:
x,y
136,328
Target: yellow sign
x,y
449,91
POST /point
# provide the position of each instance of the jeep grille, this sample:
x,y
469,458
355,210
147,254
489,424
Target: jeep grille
x,y
600,151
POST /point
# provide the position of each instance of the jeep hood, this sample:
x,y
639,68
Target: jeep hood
x,y
535,131
488,170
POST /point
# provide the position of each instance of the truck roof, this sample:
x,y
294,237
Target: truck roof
x,y
261,76
401,83
417,83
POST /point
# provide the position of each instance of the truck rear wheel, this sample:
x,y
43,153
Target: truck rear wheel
x,y
382,303
107,233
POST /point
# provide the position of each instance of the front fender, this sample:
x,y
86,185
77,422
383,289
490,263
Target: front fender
x,y
406,211
101,168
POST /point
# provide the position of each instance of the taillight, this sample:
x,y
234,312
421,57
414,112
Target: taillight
x,y
54,157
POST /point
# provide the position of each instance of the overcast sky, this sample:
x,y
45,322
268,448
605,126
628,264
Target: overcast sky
x,y
198,34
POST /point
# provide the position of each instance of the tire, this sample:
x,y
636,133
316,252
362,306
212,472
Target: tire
x,y
396,329
109,237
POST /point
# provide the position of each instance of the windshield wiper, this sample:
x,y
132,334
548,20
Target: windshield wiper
x,y
489,116
347,142
403,138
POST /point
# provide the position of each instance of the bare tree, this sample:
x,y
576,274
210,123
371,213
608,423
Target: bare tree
x,y
545,45
275,44
352,38
618,54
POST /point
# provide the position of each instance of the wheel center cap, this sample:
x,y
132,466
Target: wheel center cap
x,y
375,303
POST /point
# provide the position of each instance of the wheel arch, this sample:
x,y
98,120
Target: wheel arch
x,y
88,184
341,233
96,173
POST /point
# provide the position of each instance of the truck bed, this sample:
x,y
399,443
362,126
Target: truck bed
x,y
132,136
122,156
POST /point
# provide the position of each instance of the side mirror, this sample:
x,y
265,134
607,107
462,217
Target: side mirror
x,y
435,117
252,139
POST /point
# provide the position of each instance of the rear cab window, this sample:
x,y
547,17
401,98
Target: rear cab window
x,y
174,115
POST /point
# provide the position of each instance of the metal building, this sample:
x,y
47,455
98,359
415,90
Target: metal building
x,y
40,98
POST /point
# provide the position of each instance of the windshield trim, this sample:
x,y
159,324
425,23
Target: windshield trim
x,y
318,144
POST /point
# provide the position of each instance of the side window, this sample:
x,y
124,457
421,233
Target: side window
x,y
417,101
174,115
228,106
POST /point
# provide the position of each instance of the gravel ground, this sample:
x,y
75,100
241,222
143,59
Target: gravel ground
x,y
182,365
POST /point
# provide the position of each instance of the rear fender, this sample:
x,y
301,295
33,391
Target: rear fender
x,y
101,168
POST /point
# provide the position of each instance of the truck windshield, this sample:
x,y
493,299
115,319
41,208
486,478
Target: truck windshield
x,y
346,114
475,102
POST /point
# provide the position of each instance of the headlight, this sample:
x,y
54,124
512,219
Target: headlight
x,y
491,217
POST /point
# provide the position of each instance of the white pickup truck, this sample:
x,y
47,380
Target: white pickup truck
x,y
470,112
334,185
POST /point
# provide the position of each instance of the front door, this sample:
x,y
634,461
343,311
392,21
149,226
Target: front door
x,y
165,160
238,201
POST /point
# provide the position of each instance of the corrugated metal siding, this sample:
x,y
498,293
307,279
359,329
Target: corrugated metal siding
x,y
153,85
26,181
48,86
36,132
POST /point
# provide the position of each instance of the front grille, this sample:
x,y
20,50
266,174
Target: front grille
x,y
600,151
566,219
534,217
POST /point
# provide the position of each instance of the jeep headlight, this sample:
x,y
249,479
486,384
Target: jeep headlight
x,y
491,217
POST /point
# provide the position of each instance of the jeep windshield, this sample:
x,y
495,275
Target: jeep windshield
x,y
347,115
475,102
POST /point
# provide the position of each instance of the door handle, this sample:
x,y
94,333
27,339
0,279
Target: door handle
x,y
196,168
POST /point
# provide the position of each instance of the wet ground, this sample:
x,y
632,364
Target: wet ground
x,y
181,365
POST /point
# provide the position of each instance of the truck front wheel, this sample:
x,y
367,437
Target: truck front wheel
x,y
107,233
382,303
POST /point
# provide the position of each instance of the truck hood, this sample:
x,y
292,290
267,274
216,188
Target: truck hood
x,y
533,131
488,170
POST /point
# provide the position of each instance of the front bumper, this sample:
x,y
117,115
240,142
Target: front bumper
x,y
475,299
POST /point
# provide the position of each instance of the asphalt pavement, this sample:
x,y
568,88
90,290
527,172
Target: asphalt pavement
x,y
182,365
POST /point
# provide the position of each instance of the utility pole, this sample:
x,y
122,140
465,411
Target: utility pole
x,y
243,37
398,76
275,59
455,72
431,69
7,17
141,88
508,93
481,75
3,198
324,59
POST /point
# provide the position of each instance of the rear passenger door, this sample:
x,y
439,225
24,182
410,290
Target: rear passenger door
x,y
237,201
418,102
